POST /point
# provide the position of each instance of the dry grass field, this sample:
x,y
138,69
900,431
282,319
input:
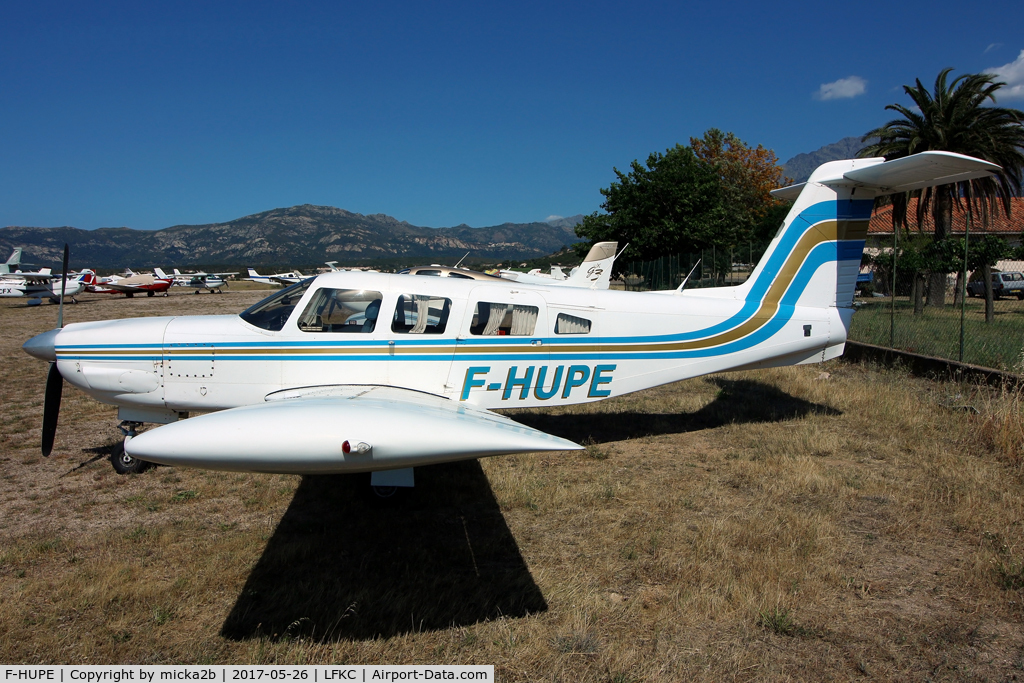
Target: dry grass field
x,y
812,523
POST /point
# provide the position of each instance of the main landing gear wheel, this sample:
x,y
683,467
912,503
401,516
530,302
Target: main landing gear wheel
x,y
384,491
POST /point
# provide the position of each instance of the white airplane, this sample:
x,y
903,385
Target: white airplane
x,y
39,285
594,273
374,372
200,280
288,278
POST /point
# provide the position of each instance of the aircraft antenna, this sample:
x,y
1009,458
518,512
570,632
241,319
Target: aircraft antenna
x,y
687,278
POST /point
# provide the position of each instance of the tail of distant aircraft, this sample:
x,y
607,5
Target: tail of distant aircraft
x,y
161,274
253,273
815,257
13,262
596,270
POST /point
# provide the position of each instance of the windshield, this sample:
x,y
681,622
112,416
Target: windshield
x,y
273,312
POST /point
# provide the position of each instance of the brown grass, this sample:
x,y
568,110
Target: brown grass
x,y
776,525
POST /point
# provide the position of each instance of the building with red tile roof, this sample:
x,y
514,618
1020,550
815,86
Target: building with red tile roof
x,y
1007,227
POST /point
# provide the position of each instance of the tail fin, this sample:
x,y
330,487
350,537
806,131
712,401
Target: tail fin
x,y
253,273
815,257
13,263
596,270
161,274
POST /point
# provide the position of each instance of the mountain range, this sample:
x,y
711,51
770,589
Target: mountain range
x,y
305,235
299,235
800,167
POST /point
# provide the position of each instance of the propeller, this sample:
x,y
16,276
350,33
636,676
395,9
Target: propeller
x,y
54,380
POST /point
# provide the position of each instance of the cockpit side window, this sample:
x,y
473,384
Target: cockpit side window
x,y
493,319
341,310
421,314
273,312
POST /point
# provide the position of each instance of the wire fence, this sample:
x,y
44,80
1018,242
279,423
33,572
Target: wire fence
x,y
901,311
896,308
708,268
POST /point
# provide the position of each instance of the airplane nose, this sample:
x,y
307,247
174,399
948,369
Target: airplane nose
x,y
42,346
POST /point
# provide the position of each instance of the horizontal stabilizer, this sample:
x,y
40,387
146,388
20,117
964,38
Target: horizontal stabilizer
x,y
915,172
920,170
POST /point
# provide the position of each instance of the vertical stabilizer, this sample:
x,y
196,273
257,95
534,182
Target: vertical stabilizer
x,y
596,270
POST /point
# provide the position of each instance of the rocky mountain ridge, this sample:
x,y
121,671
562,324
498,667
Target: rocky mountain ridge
x,y
303,234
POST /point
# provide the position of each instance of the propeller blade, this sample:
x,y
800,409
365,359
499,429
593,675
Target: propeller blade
x,y
63,288
51,407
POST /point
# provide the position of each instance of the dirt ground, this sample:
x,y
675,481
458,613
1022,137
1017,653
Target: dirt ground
x,y
822,522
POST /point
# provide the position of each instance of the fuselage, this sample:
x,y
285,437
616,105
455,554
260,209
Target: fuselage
x,y
492,345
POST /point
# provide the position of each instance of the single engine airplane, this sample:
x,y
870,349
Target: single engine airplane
x,y
374,372
594,273
39,285
150,285
289,278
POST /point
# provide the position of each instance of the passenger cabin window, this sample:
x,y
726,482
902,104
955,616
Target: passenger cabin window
x,y
273,312
435,273
492,319
570,324
341,310
461,276
421,314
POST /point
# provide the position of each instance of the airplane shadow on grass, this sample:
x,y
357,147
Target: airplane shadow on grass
x,y
739,401
345,565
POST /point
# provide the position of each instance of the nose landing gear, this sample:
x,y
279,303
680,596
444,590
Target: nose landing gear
x,y
122,462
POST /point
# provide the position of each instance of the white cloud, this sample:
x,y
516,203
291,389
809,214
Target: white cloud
x,y
992,46
1013,75
552,217
842,89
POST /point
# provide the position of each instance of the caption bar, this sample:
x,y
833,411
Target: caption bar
x,y
365,673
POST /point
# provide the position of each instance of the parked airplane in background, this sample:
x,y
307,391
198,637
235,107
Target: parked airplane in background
x,y
289,278
200,280
594,273
371,372
210,281
150,285
36,286
13,262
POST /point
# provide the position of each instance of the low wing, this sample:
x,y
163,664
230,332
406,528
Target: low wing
x,y
317,430
121,288
283,280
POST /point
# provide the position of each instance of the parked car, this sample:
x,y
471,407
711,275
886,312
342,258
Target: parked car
x,y
1003,284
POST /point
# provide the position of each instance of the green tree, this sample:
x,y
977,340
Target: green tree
x,y
672,204
714,193
748,175
955,118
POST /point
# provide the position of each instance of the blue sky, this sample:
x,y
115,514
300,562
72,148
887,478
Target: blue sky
x,y
148,115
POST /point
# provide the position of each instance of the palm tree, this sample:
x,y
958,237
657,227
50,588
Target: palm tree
x,y
955,119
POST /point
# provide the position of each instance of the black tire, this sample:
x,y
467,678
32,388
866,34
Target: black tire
x,y
126,464
1020,296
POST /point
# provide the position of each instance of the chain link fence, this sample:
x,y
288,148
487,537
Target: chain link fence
x,y
896,308
901,310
